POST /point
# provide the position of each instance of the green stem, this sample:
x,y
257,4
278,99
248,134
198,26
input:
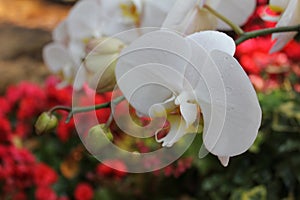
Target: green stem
x,y
65,108
267,31
73,111
91,108
234,27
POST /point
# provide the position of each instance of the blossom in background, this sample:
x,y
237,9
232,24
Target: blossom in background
x,y
100,63
59,61
189,16
266,71
165,73
289,17
92,21
42,193
118,172
44,175
84,191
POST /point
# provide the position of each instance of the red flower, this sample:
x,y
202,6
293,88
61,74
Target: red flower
x,y
292,50
42,193
30,107
64,130
168,170
25,90
19,196
57,96
16,169
5,131
103,170
44,175
5,107
83,191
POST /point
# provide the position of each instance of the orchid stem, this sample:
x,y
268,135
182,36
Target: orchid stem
x,y
91,108
267,31
234,27
64,108
73,111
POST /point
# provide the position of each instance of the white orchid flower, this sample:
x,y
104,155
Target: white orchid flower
x,y
165,72
96,20
101,61
290,17
59,61
189,16
60,34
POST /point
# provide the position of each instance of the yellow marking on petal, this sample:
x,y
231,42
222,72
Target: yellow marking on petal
x,y
275,8
86,40
131,11
62,76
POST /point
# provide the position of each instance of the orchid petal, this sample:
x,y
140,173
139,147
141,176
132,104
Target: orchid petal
x,y
188,110
80,79
281,40
214,40
115,20
151,69
80,27
181,15
76,50
159,9
56,57
178,129
193,70
60,33
290,17
238,11
224,160
243,113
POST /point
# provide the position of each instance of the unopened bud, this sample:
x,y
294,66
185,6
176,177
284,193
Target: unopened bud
x,y
98,137
45,123
101,62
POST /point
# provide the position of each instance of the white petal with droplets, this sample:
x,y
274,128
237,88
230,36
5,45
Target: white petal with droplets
x,y
243,113
151,69
214,40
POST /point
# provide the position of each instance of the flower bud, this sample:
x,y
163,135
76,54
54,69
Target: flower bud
x,y
45,123
101,62
98,137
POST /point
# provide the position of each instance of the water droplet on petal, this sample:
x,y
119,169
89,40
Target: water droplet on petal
x,y
228,89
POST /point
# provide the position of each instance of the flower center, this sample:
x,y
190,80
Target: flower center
x,y
131,11
188,106
276,9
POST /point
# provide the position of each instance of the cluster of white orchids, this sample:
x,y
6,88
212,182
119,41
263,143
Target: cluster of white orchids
x,y
183,68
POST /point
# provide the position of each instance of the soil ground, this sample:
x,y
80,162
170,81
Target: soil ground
x,y
25,27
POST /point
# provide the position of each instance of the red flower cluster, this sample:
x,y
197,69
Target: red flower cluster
x,y
44,175
20,171
266,71
83,191
105,171
178,168
16,170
